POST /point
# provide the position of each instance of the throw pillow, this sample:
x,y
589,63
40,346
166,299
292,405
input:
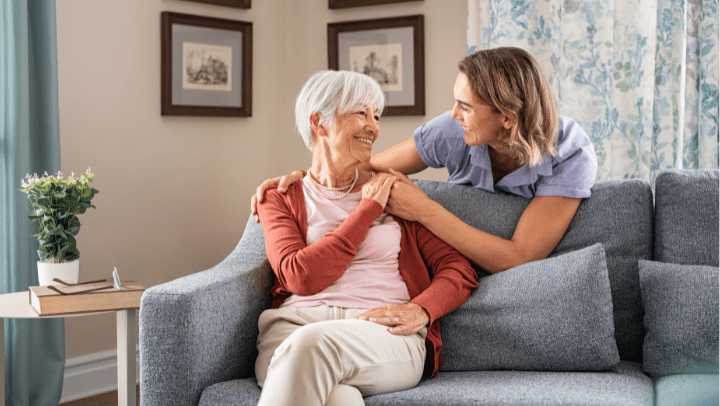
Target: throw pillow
x,y
681,318
550,315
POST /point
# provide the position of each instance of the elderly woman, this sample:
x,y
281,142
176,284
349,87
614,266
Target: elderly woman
x,y
355,309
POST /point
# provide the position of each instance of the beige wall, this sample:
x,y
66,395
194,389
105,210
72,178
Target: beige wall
x,y
174,191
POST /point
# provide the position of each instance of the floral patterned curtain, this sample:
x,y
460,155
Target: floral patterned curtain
x,y
641,76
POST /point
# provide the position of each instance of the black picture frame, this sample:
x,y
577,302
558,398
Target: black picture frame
x,y
395,48
206,66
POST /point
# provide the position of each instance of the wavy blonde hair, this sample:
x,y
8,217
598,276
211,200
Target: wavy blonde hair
x,y
510,80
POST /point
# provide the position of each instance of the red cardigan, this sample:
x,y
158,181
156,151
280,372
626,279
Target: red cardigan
x,y
437,276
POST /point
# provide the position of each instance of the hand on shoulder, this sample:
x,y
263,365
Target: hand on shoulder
x,y
281,182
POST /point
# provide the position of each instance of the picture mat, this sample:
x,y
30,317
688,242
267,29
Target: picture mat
x,y
403,35
210,36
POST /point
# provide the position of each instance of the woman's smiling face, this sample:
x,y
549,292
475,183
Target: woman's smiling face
x,y
352,134
481,123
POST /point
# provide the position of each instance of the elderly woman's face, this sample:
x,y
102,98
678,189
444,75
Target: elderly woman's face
x,y
352,134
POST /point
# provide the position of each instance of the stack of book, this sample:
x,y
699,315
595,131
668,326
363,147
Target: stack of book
x,y
85,297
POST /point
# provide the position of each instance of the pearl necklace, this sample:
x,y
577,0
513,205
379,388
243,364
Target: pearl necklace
x,y
336,189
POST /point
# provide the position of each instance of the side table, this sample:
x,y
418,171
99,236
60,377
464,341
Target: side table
x,y
17,306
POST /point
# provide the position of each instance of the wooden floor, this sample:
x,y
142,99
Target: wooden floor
x,y
104,399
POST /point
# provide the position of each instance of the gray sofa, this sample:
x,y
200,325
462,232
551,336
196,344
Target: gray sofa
x,y
624,312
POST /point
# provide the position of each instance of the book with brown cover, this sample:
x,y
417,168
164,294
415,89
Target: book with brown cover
x,y
85,297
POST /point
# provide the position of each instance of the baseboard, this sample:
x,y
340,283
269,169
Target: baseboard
x,y
92,374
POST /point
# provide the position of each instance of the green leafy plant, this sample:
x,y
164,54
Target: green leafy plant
x,y
56,202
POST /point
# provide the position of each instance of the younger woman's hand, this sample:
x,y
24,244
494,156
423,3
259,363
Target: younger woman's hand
x,y
378,188
407,200
283,183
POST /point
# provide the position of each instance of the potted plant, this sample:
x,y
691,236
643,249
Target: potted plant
x,y
56,203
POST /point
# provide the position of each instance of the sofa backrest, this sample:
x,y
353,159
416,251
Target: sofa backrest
x,y
686,217
619,215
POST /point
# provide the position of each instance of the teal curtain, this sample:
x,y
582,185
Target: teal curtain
x,y
29,143
641,76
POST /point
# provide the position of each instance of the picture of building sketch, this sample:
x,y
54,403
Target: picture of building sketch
x,y
207,67
383,62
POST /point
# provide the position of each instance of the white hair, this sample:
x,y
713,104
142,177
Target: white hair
x,y
330,93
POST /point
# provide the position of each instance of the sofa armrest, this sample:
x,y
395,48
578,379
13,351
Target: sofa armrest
x,y
202,329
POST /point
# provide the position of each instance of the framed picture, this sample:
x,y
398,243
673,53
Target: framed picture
x,y
206,66
229,3
391,50
360,3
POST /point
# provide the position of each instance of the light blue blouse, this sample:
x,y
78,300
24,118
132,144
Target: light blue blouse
x,y
570,173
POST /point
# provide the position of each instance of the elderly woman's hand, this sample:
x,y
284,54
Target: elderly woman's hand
x,y
402,319
378,188
407,200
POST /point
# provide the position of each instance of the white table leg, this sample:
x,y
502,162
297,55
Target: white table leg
x,y
126,333
2,361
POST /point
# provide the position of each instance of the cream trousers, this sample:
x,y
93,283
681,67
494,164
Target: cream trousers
x,y
323,356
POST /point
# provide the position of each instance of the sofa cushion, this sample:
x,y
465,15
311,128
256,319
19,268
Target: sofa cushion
x,y
681,318
686,217
619,215
687,390
627,386
549,315
239,392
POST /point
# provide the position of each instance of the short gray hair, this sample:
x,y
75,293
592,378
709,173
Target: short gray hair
x,y
332,92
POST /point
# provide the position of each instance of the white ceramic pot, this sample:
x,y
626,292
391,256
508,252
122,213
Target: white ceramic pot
x,y
68,272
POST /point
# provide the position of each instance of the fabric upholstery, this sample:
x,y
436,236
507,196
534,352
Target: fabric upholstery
x,y
618,215
628,386
201,329
239,392
681,318
549,315
687,390
198,333
686,217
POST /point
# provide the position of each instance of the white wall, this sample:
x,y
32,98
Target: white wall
x,y
174,191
